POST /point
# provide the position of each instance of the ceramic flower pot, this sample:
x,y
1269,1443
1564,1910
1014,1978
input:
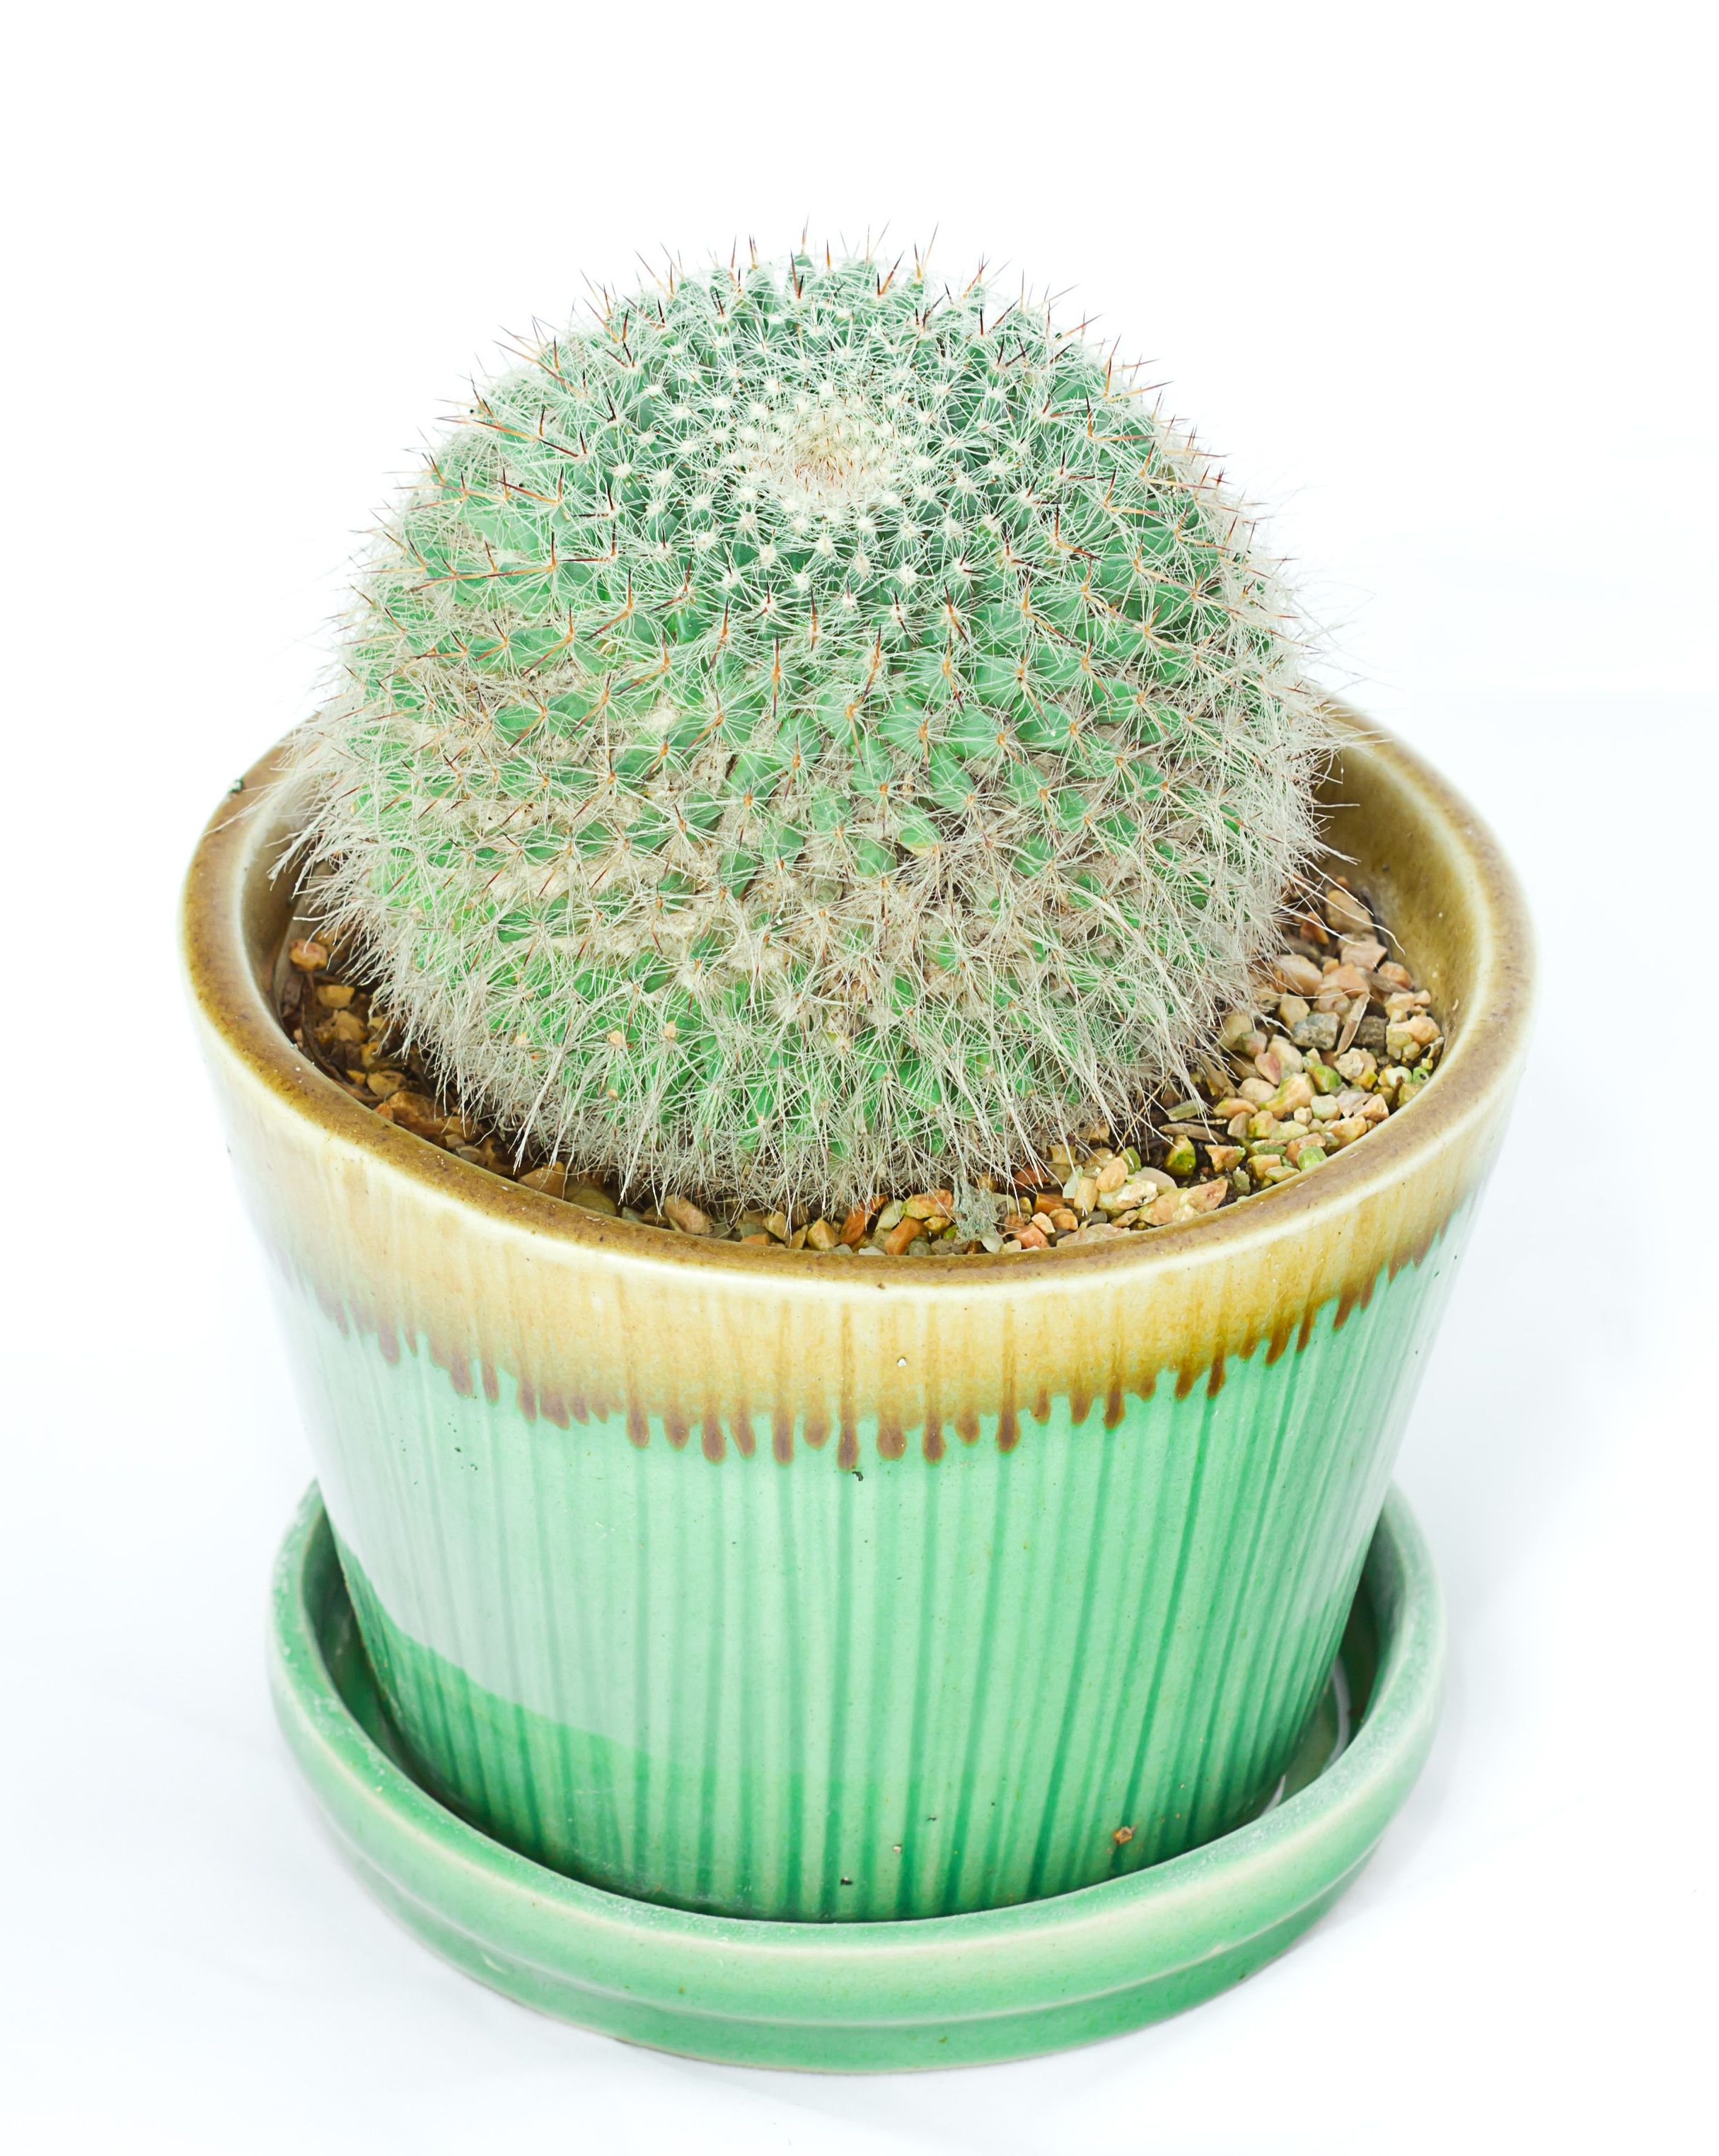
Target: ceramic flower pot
x,y
809,1588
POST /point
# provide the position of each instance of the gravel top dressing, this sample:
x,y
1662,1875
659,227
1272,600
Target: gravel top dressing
x,y
1339,1038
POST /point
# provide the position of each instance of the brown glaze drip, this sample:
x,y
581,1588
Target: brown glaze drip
x,y
676,1428
1278,1345
891,1438
1214,1378
932,1442
782,1435
492,1384
847,1452
967,1426
817,1430
1415,1252
1116,1406
710,1437
638,1424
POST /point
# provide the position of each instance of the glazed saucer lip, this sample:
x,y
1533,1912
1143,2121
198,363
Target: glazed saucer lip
x,y
745,1990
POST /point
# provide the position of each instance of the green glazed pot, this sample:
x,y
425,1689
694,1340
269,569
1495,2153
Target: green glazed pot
x,y
805,1588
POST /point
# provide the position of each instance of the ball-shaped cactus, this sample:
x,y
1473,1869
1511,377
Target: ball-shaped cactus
x,y
804,732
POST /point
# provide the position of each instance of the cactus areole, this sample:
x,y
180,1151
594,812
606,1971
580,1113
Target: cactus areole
x,y
807,731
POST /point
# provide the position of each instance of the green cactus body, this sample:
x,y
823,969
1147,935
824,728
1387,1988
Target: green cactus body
x,y
805,733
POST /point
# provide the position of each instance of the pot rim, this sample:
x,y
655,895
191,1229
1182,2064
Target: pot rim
x,y
241,844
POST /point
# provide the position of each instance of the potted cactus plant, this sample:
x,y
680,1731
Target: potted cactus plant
x,y
807,736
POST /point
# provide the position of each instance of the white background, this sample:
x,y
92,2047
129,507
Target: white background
x,y
1439,284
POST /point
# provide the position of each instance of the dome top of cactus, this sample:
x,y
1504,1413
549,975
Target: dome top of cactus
x,y
805,730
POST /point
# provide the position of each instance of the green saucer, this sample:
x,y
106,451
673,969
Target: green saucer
x,y
1000,1984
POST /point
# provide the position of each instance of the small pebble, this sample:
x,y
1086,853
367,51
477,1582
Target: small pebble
x,y
690,1218
592,1198
1344,914
1295,976
1316,1029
